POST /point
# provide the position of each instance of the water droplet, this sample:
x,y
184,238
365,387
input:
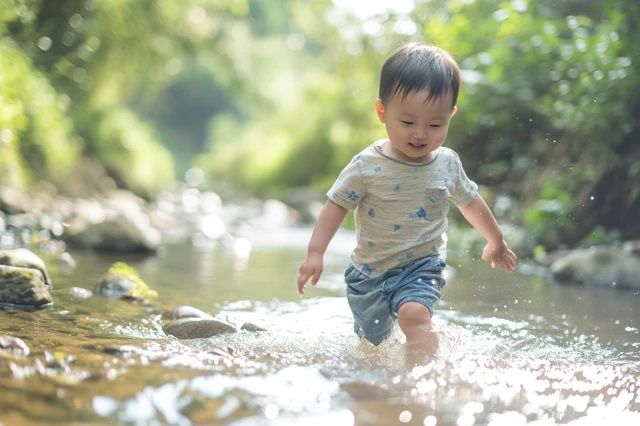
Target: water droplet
x,y
430,421
75,21
466,420
271,411
405,416
44,43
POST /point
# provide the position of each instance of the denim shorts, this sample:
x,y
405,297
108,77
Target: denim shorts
x,y
374,301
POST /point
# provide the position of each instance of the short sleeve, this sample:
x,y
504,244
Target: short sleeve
x,y
462,189
349,188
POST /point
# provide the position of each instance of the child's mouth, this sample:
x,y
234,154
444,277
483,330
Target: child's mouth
x,y
417,145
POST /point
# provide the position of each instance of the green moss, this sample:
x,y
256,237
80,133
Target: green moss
x,y
25,275
141,289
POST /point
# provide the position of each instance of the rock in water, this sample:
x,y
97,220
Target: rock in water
x,y
13,346
249,326
23,287
197,328
185,311
121,280
80,293
599,266
25,258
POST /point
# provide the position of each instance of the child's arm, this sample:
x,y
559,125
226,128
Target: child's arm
x,y
496,251
328,223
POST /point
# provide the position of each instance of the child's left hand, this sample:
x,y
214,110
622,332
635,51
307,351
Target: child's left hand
x,y
500,255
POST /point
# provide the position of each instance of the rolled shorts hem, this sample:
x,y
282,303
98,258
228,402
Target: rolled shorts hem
x,y
425,302
375,301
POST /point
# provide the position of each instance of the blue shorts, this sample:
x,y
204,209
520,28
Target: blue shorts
x,y
374,301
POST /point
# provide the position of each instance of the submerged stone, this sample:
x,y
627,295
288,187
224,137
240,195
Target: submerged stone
x,y
249,326
197,328
23,287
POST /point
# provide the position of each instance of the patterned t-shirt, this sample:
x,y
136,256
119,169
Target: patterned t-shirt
x,y
400,207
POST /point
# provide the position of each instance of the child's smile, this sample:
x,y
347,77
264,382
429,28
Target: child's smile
x,y
416,127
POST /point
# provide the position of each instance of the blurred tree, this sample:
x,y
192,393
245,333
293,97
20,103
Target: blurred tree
x,y
34,128
280,94
551,108
549,104
105,58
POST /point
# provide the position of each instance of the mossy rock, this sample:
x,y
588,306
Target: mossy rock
x,y
123,281
23,287
25,258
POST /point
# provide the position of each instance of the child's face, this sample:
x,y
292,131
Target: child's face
x,y
415,128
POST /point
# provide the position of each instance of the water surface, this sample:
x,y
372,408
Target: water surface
x,y
515,349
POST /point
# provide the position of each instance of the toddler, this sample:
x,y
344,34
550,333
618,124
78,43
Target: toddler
x,y
400,189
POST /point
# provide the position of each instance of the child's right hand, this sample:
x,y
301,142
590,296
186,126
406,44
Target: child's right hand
x,y
311,268
500,256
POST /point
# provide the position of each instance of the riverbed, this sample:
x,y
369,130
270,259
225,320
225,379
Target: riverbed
x,y
515,349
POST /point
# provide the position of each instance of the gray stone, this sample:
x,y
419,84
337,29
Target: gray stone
x,y
25,258
115,286
249,326
80,293
14,201
599,266
119,223
185,311
118,234
197,328
23,287
13,346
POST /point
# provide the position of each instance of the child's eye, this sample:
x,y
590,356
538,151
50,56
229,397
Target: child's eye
x,y
406,123
435,125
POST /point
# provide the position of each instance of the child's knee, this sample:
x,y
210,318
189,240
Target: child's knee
x,y
414,314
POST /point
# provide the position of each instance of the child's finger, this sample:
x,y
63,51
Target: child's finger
x,y
508,263
303,277
316,277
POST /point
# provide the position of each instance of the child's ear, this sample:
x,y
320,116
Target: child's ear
x,y
380,109
454,110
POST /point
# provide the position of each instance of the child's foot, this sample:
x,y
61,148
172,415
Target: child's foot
x,y
422,350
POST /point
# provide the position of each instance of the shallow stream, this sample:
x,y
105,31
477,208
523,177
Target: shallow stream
x,y
515,349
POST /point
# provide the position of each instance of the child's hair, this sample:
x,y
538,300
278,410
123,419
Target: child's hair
x,y
416,66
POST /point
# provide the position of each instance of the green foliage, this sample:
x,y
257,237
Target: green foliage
x,y
36,138
88,67
130,152
548,105
552,106
268,95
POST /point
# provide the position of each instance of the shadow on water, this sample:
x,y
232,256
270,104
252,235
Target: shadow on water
x,y
515,349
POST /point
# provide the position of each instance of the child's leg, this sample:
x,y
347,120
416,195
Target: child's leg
x,y
415,322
